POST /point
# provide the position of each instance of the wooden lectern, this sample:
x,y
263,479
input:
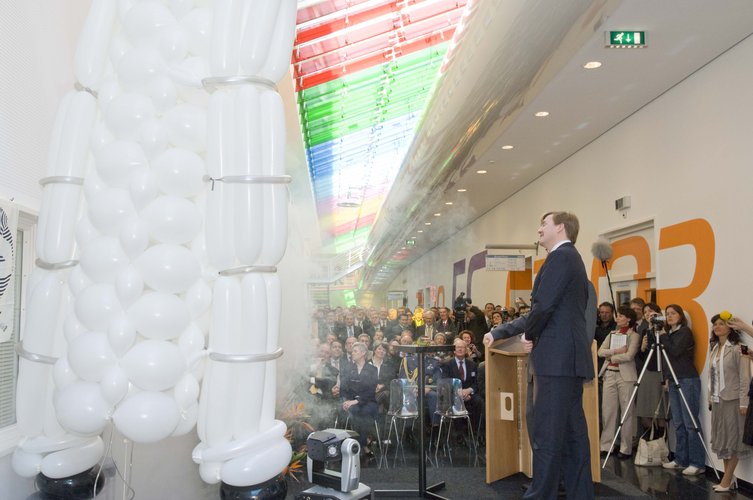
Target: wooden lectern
x,y
508,450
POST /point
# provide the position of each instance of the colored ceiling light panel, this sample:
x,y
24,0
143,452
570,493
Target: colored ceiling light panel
x,y
363,71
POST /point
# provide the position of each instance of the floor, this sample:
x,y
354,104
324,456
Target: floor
x,y
464,476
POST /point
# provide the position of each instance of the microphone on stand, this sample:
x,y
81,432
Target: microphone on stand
x,y
602,251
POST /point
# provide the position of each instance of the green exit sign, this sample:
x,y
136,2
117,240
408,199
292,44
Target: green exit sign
x,y
626,39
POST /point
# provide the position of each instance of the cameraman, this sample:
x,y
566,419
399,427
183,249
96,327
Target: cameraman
x,y
651,390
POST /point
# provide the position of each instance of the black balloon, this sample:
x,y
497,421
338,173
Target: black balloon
x,y
80,486
273,489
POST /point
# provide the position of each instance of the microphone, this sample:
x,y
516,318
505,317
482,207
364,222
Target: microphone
x,y
602,250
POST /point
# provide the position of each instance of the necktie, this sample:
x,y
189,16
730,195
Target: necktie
x,y
350,331
461,370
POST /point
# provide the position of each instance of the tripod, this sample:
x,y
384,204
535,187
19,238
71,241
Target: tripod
x,y
658,350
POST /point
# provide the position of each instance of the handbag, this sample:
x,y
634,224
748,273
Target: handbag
x,y
652,450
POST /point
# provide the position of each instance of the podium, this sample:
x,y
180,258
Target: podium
x,y
508,449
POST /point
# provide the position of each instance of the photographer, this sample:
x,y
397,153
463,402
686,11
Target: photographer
x,y
678,343
651,391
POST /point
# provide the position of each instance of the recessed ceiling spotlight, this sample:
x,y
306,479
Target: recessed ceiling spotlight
x,y
427,223
462,190
592,65
542,114
480,171
437,214
420,231
448,203
491,162
507,146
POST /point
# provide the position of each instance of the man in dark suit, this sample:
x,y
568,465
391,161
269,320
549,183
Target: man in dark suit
x,y
348,328
560,361
460,367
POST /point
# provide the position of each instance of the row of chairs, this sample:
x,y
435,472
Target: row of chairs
x,y
403,408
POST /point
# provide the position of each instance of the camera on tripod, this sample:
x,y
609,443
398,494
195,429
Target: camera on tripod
x,y
658,320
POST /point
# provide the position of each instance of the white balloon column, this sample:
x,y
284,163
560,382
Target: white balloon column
x,y
164,214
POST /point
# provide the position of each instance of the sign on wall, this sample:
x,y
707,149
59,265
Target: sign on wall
x,y
505,262
8,228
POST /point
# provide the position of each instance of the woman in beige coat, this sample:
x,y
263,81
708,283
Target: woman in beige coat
x,y
729,376
619,349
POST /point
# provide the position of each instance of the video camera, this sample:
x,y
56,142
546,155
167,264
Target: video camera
x,y
459,306
658,320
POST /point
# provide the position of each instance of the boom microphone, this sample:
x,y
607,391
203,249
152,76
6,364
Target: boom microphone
x,y
602,250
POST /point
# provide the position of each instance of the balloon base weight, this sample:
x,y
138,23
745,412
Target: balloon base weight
x,y
79,486
273,489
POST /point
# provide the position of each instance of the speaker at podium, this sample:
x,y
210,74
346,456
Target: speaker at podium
x,y
508,450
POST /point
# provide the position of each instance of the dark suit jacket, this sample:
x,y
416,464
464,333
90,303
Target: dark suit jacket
x,y
360,386
557,321
450,370
450,327
342,331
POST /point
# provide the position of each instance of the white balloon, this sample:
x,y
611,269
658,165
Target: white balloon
x,y
170,219
90,355
108,91
129,285
173,44
186,127
26,464
179,172
99,137
198,297
62,374
163,92
117,160
109,209
81,408
210,472
125,114
145,21
159,315
85,231
186,391
119,45
258,465
169,268
154,365
147,417
121,336
181,7
133,236
143,188
96,306
197,24
91,51
114,385
66,463
191,341
153,137
93,185
72,327
78,280
188,418
138,66
102,259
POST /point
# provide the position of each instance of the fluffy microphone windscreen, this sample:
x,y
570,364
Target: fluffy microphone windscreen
x,y
602,250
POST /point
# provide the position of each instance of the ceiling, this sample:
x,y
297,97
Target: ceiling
x,y
508,60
